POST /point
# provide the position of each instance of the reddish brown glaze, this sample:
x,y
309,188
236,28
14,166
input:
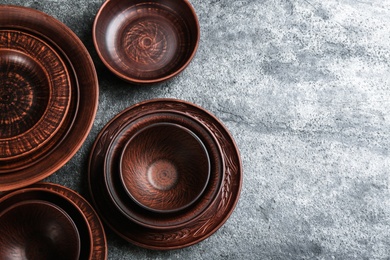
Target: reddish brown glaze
x,y
165,167
92,237
36,229
48,157
146,41
157,230
35,93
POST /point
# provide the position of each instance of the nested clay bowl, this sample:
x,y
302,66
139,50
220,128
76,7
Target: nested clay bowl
x,y
93,243
155,229
146,41
49,81
36,229
164,167
118,194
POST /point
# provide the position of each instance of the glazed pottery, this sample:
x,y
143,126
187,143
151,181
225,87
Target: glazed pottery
x,y
146,41
155,229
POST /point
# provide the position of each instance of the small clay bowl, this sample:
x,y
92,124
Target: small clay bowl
x,y
36,229
146,42
165,167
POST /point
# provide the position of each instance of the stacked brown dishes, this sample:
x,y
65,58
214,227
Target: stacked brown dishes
x,y
48,221
165,174
48,95
146,42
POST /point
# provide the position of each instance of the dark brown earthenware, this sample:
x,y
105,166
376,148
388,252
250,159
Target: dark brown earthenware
x,y
36,229
155,230
35,93
146,41
92,237
164,167
64,142
113,184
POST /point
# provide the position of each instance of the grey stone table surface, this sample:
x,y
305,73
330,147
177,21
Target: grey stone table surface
x,y
304,88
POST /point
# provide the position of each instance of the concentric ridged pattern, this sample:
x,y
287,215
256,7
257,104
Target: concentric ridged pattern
x,y
35,93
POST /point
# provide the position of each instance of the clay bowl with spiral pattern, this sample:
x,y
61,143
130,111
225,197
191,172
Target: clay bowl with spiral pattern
x,y
165,167
145,42
36,229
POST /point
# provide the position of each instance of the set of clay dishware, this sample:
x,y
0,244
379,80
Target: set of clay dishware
x,y
163,174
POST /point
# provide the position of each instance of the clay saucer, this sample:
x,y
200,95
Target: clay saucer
x,y
190,232
35,93
53,154
146,41
38,229
92,237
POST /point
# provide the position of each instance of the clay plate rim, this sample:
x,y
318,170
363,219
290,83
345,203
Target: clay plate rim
x,y
54,193
210,221
28,19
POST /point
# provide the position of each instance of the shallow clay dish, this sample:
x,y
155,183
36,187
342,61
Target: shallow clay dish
x,y
165,167
36,229
207,221
146,41
92,237
35,93
70,134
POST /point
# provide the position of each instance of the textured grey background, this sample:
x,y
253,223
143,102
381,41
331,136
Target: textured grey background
x,y
303,86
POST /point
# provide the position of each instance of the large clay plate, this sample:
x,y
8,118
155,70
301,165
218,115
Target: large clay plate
x,y
67,141
195,231
92,235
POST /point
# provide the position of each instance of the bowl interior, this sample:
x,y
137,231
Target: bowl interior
x,y
165,167
24,86
38,230
35,93
146,41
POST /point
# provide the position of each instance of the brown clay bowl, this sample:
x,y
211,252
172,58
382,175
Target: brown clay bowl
x,y
50,156
146,41
37,229
164,167
35,93
92,237
118,194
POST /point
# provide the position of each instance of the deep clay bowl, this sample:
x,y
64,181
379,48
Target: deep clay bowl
x,y
165,167
35,229
146,42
